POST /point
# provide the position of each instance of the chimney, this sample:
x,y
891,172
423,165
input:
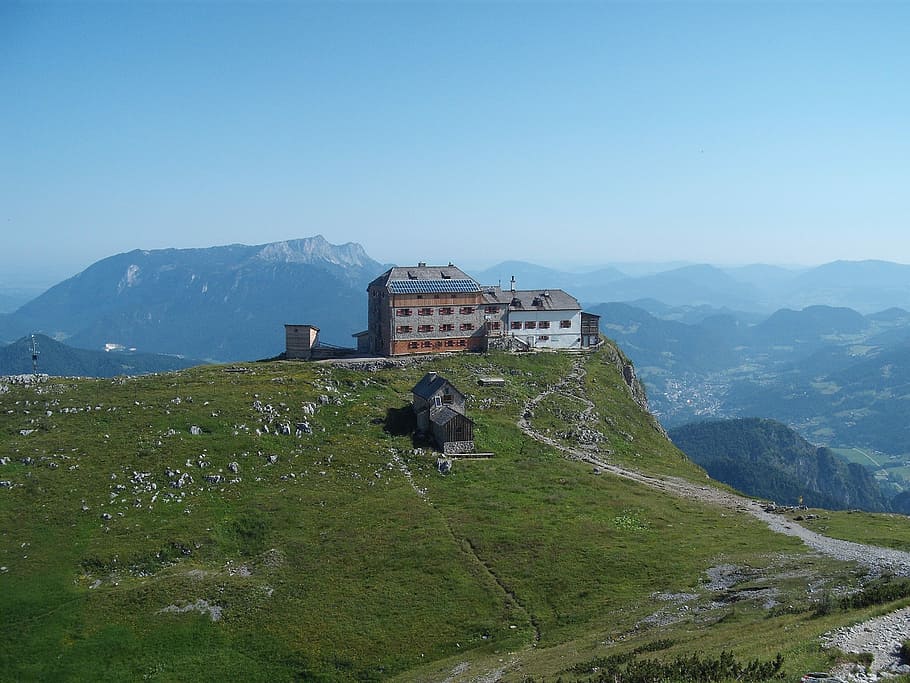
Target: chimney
x,y
421,264
513,285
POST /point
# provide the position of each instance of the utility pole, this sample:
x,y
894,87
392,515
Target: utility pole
x,y
35,356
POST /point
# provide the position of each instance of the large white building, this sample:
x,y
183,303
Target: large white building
x,y
433,309
550,319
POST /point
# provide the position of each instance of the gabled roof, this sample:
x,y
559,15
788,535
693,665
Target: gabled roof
x,y
424,279
532,299
431,383
445,415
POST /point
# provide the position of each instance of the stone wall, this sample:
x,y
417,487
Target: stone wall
x,y
456,447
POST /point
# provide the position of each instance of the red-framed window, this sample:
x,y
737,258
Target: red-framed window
x,y
495,326
446,327
467,326
403,312
424,311
446,310
491,309
466,310
404,329
424,328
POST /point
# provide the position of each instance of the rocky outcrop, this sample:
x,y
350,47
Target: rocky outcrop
x,y
635,386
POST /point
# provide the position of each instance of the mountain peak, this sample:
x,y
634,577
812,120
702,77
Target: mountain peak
x,y
315,249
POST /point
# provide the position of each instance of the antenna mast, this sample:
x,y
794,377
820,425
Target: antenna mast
x,y
35,356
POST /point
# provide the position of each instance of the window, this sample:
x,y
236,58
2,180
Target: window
x,y
516,325
565,323
461,342
450,342
404,329
437,401
530,324
412,345
491,309
403,311
424,311
424,328
426,344
446,327
467,326
447,399
495,326
446,310
466,310
543,337
544,324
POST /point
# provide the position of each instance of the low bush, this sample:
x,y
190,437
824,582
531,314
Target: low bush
x,y
695,668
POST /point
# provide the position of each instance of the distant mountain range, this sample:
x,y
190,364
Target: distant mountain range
x,y
766,459
59,359
838,377
221,303
866,286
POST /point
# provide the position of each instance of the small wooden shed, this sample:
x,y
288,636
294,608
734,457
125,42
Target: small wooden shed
x,y
440,410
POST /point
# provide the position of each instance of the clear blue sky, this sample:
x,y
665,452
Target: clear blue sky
x,y
560,133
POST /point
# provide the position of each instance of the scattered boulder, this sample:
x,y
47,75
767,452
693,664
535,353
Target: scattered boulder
x,y
444,465
185,479
195,431
234,467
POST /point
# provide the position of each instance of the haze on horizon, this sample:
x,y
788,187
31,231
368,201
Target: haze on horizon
x,y
561,134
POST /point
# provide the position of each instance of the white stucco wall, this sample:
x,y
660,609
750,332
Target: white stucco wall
x,y
559,338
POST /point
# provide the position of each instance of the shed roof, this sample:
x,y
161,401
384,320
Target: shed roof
x,y
429,384
445,415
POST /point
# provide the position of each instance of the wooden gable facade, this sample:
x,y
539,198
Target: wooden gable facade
x,y
440,410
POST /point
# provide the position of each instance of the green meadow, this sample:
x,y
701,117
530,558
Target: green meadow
x,y
162,528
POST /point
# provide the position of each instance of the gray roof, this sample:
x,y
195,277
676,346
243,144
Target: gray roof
x,y
429,384
445,415
423,279
532,299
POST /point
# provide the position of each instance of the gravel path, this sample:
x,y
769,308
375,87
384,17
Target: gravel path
x,y
881,637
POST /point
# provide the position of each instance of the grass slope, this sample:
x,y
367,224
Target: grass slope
x,y
343,555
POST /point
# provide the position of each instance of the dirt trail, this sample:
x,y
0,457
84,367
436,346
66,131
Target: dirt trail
x,y
877,559
877,636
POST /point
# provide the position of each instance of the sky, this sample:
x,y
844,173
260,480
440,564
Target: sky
x,y
561,133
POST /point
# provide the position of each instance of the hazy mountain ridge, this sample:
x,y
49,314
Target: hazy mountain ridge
x,y
225,303
61,360
837,377
865,286
765,458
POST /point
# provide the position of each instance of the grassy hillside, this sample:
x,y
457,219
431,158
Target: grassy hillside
x,y
130,548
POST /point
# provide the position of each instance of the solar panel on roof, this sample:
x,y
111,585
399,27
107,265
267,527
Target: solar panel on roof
x,y
432,286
